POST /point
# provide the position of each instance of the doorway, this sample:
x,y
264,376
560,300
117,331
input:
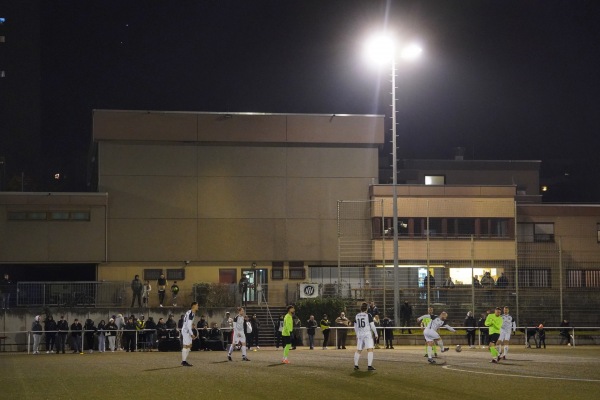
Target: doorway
x,y
257,285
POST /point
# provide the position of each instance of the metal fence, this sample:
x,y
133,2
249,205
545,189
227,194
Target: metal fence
x,y
70,294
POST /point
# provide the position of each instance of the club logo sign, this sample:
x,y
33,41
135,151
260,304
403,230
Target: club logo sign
x,y
309,290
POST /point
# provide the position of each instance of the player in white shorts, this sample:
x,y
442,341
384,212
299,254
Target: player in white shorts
x,y
187,334
431,334
238,335
509,326
363,326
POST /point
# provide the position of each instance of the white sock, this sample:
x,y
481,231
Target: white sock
x,y
243,350
356,357
441,344
370,358
429,351
184,354
505,350
230,349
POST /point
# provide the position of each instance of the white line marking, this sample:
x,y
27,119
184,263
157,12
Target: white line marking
x,y
449,367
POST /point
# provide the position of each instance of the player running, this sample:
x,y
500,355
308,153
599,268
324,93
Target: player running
x,y
424,320
187,333
238,335
508,326
494,322
363,326
431,335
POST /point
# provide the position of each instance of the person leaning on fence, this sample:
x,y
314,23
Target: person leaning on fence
x,y
101,336
129,335
388,332
150,330
311,325
50,328
36,330
137,287
325,324
76,329
565,332
111,333
471,326
342,322
89,333
62,326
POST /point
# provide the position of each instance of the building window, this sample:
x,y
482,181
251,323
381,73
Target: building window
x,y
152,274
583,278
48,216
535,232
176,274
435,180
416,227
277,270
598,232
534,278
297,270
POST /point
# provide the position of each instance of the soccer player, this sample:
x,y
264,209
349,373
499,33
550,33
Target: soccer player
x,y
238,335
508,326
432,336
494,322
187,334
424,320
288,327
363,326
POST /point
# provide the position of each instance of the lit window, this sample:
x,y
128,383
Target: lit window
x,y
435,180
59,215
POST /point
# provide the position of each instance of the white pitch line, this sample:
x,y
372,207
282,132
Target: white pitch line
x,y
448,367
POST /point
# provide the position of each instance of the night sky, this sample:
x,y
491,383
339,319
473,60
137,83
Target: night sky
x,y
506,79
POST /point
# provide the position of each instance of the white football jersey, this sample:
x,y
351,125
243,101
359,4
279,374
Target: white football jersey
x,y
363,324
507,323
238,324
437,323
188,322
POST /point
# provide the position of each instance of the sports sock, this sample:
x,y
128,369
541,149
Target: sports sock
x,y
499,349
243,350
230,349
505,350
184,354
429,352
441,344
494,351
286,350
356,357
370,358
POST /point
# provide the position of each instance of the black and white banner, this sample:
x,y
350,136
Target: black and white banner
x,y
309,290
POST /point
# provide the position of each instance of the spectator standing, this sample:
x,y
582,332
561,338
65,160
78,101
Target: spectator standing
x,y
377,323
388,332
476,283
278,329
531,332
136,290
146,294
140,330
502,281
541,337
174,293
311,326
101,336
202,327
296,338
483,330
471,326
89,333
6,287
161,285
36,329
111,333
487,282
373,310
129,335
325,326
243,289
565,332
448,284
76,329
342,323
254,321
150,331
406,313
120,322
63,330
50,328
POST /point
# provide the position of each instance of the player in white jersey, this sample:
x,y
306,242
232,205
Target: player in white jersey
x,y
363,326
508,326
431,334
187,333
238,335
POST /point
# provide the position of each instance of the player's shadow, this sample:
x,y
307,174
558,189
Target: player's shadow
x,y
276,365
160,369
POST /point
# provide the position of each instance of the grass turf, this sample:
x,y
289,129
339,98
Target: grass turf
x,y
557,372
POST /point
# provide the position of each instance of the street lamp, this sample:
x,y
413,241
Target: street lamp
x,y
382,49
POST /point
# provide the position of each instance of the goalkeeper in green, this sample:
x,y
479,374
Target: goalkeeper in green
x,y
494,322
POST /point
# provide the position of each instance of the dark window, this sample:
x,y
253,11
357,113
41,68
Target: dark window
x,y
176,274
534,278
152,274
297,270
277,270
583,278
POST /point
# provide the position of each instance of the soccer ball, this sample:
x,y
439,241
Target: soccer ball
x,y
458,348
